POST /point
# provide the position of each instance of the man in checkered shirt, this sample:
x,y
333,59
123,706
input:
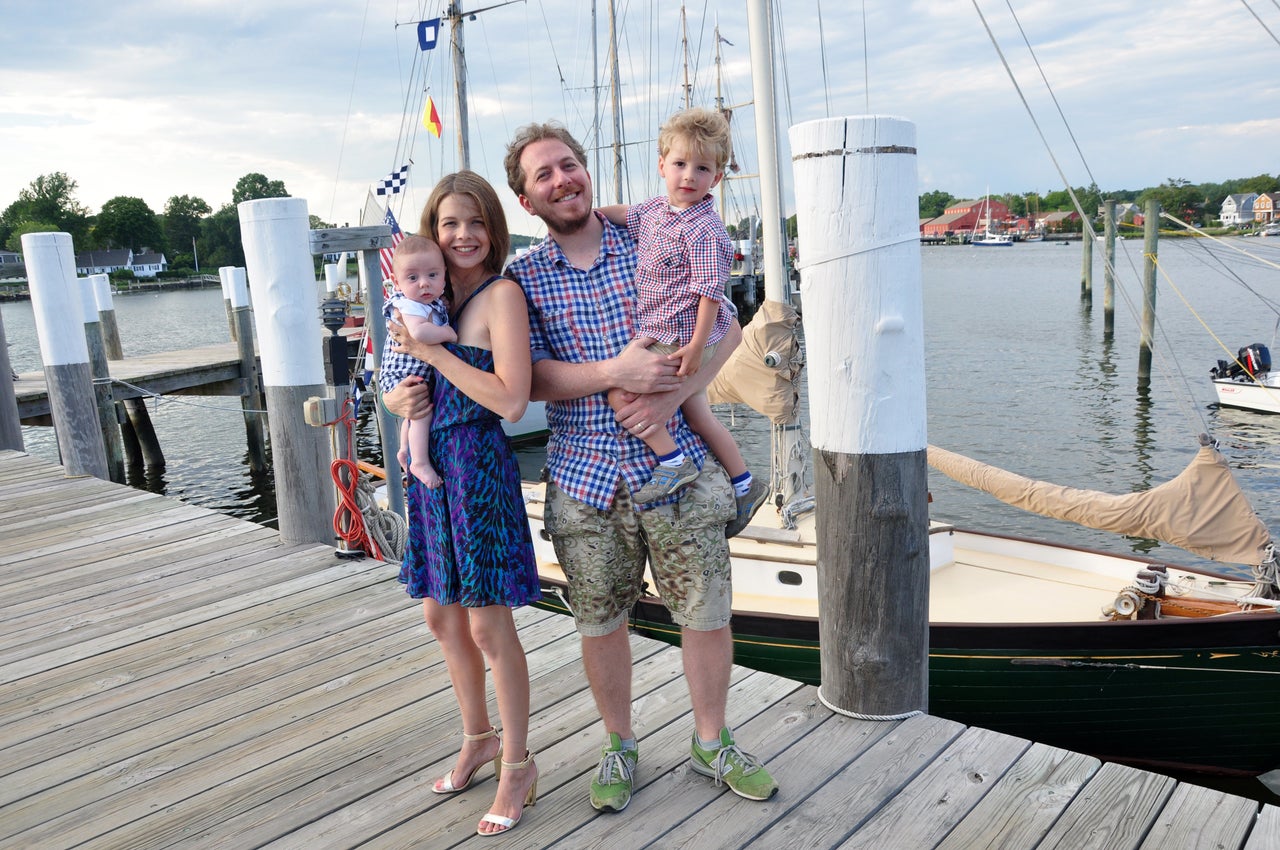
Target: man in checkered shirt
x,y
582,303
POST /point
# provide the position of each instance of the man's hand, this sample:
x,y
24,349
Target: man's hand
x,y
638,370
642,413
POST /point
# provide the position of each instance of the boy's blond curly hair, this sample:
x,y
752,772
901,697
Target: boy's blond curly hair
x,y
704,130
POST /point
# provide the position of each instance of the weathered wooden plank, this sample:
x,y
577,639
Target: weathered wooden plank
x,y
259,805
26,666
139,531
272,746
948,788
1114,810
165,558
564,731
862,788
1025,802
1265,834
1198,818
793,737
664,754
222,638
91,624
129,703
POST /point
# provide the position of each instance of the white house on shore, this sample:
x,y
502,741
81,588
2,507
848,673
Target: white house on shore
x,y
1238,209
146,264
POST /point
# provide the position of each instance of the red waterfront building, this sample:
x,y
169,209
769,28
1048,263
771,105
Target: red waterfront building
x,y
964,217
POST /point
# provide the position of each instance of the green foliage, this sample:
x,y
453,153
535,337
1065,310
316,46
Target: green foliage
x,y
935,203
182,216
1178,197
126,222
49,200
220,239
254,186
14,242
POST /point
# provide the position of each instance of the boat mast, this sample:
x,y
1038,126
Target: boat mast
x,y
684,48
759,20
721,110
454,14
615,85
595,94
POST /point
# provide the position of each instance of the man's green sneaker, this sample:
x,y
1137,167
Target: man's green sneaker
x,y
611,786
742,772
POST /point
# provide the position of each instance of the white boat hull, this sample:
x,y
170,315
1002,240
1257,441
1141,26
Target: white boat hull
x,y
1262,395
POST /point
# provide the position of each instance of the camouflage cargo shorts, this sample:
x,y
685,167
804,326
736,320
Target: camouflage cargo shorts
x,y
603,554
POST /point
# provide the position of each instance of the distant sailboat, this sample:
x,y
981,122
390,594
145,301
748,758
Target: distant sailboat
x,y
990,238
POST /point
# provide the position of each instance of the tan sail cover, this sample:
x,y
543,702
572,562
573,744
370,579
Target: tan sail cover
x,y
747,379
1202,510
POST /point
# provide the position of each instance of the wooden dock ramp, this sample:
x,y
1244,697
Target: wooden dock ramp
x,y
172,677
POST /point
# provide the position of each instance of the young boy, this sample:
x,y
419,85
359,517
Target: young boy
x,y
684,259
418,275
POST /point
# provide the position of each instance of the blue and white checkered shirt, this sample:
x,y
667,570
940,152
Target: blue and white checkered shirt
x,y
578,316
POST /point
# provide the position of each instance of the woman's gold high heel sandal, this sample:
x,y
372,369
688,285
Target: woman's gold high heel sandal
x,y
445,785
508,824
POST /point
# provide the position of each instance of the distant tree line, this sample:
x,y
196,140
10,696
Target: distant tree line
x,y
186,232
1194,203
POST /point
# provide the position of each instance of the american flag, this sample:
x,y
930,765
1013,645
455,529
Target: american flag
x,y
384,256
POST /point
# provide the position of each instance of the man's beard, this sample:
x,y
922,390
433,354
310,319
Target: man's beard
x,y
563,223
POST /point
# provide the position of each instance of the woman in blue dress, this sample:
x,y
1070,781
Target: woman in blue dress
x,y
470,556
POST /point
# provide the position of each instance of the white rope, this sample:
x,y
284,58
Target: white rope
x,y
387,529
855,715
832,256
158,397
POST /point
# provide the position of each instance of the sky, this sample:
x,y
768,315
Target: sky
x,y
153,99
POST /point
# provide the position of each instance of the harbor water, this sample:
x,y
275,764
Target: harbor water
x,y
1019,374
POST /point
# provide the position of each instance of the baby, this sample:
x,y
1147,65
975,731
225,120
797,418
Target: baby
x,y
417,272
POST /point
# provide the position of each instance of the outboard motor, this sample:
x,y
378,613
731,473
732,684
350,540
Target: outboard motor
x,y
1252,360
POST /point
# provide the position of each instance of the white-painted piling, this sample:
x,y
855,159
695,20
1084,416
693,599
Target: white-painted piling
x,y
55,303
108,421
251,400
278,261
856,200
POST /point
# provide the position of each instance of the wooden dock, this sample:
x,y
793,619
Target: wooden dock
x,y
209,370
173,677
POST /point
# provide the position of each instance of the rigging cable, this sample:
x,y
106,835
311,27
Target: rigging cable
x,y
351,97
1259,20
1085,219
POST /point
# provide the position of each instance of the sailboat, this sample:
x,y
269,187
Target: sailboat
x,y
989,238
1120,656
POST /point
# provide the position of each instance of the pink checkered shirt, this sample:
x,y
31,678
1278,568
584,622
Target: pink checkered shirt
x,y
683,255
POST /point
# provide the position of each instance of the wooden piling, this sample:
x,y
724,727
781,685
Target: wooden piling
x,y
108,420
856,186
10,421
1086,263
1150,246
51,272
251,401
137,433
224,278
283,278
1109,271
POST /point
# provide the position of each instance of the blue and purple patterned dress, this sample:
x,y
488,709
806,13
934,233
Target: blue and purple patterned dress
x,y
469,538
